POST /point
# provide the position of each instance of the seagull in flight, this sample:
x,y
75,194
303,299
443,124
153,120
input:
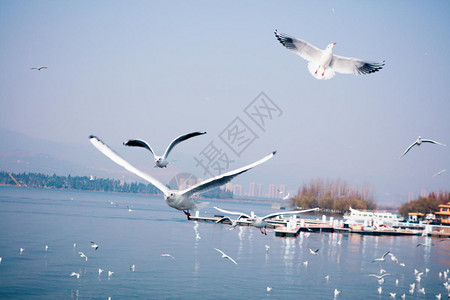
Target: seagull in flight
x,y
287,196
226,256
419,141
161,161
323,64
379,276
167,255
314,252
21,251
382,258
178,199
440,172
234,223
260,222
83,255
336,293
75,274
39,68
94,245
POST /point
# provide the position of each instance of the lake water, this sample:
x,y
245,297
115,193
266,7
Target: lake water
x,y
32,218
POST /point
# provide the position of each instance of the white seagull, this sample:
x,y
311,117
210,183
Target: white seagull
x,y
132,268
287,196
161,161
94,245
100,271
379,276
46,247
226,256
178,199
233,224
440,172
382,258
380,289
323,64
168,255
393,295
419,141
260,222
314,252
39,68
75,274
336,293
110,273
21,251
83,255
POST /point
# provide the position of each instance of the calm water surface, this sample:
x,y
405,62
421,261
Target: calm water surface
x,y
33,218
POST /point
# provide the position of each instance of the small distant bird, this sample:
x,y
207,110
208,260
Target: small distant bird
x,y
416,271
314,252
412,286
393,258
129,209
167,255
380,289
267,248
161,161
110,273
427,270
46,247
401,264
286,197
403,296
419,276
381,281
305,263
74,245
438,296
327,277
21,251
75,274
0,260
396,282
336,292
393,295
39,68
94,245
226,256
422,291
379,276
419,141
197,236
382,258
132,268
82,255
382,271
100,271
269,289
440,172
323,64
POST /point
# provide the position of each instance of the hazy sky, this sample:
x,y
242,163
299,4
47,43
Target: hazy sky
x,y
157,69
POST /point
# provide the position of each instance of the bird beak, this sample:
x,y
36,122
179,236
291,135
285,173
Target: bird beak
x,y
334,44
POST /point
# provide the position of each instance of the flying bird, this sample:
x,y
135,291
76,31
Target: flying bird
x,y
167,255
39,68
226,256
234,223
419,141
46,247
178,199
440,172
382,258
287,196
161,161
260,222
82,255
75,274
269,289
21,251
110,273
267,248
314,252
323,64
132,268
379,276
393,295
336,293
94,245
100,271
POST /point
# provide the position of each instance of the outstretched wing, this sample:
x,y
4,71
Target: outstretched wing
x,y
232,213
349,65
220,251
293,212
433,142
300,47
406,151
139,143
180,139
103,148
222,179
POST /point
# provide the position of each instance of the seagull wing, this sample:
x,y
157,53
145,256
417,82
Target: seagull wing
x,y
384,255
223,219
139,143
220,251
180,139
293,212
302,48
232,260
232,212
223,178
406,151
433,142
103,148
349,65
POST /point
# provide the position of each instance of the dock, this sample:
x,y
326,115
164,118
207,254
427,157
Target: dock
x,y
292,226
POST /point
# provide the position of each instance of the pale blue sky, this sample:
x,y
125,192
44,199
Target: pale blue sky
x,y
158,69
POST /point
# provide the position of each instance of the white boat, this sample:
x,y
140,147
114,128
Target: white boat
x,y
372,216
